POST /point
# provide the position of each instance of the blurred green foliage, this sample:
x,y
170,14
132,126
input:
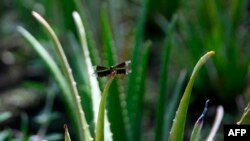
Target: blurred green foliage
x,y
219,26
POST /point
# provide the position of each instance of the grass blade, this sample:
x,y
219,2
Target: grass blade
x,y
177,130
198,125
114,101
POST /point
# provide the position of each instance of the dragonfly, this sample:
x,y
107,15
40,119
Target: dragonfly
x,y
101,71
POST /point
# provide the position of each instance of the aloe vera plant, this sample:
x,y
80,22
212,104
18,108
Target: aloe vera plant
x,y
97,35
177,130
68,84
100,123
66,133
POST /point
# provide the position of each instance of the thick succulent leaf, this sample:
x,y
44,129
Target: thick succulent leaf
x,y
114,106
132,97
66,133
93,83
101,114
177,130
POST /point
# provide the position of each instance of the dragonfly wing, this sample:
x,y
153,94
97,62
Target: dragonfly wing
x,y
103,73
123,64
123,71
100,68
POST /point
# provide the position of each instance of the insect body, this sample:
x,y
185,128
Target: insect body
x,y
101,71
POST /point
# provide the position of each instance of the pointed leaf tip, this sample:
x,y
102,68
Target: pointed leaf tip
x,y
177,130
66,134
211,52
65,126
35,14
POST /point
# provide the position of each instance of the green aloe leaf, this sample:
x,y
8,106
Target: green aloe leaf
x,y
82,123
51,64
171,107
81,76
101,114
114,101
83,10
93,83
140,92
66,133
163,81
177,130
57,73
132,96
76,107
107,37
236,10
